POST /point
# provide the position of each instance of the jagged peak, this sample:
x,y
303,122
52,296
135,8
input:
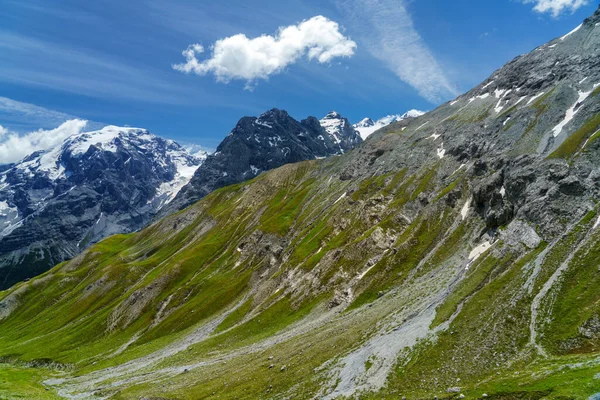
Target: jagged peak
x,y
593,19
273,113
333,115
365,122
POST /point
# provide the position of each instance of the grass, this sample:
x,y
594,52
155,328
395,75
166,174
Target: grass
x,y
577,300
576,140
25,383
280,241
284,208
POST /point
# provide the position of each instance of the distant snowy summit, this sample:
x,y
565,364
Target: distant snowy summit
x,y
73,159
57,202
367,126
340,130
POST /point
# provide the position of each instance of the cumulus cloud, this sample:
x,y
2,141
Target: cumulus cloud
x,y
387,30
14,147
240,57
557,7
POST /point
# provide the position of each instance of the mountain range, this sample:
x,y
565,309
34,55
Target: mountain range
x,y
56,203
452,255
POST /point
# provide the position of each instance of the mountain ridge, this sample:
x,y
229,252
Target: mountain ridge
x,y
453,255
241,156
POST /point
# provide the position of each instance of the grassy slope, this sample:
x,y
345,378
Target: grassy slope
x,y
267,264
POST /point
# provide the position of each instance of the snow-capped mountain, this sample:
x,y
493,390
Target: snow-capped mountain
x,y
340,130
55,203
258,144
367,126
200,152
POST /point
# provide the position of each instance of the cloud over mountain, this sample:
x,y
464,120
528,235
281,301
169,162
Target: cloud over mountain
x,y
14,147
250,59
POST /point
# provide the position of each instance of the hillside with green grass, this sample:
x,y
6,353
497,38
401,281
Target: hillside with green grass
x,y
454,255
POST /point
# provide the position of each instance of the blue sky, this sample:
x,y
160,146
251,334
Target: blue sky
x,y
111,61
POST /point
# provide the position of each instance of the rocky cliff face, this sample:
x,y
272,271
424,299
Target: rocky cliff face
x,y
454,255
56,203
260,144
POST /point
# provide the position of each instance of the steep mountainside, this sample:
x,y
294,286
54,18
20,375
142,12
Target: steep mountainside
x,y
54,204
452,255
367,126
260,144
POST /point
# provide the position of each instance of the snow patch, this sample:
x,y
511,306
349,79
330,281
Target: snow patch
x,y
572,32
485,87
9,218
499,92
458,169
571,112
506,121
520,100
597,224
263,123
499,107
422,126
465,210
441,151
365,272
534,98
479,250
341,197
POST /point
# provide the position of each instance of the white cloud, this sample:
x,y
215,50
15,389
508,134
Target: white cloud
x,y
239,57
14,147
557,7
387,29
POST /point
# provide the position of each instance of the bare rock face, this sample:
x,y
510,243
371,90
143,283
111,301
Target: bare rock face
x,y
259,144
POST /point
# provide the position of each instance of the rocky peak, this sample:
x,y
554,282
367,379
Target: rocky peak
x,y
365,123
340,131
333,115
258,144
594,19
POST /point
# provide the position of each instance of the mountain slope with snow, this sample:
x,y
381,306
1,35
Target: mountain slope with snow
x,y
56,203
367,126
340,130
